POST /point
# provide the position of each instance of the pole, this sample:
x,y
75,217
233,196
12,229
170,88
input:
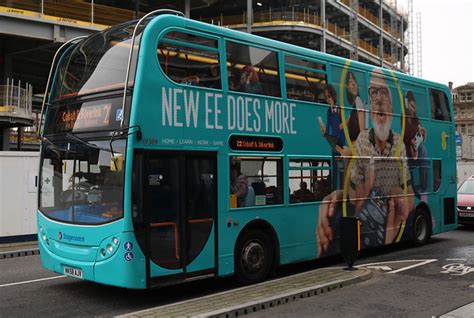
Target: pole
x,y
323,24
249,16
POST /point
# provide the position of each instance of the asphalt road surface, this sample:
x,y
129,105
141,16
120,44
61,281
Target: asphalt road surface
x,y
440,280
411,290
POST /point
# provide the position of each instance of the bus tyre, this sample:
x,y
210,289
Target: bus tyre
x,y
421,227
253,257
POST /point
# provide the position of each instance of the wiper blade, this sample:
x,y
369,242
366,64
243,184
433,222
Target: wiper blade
x,y
84,142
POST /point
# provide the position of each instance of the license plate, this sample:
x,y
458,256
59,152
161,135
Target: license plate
x,y
466,214
74,272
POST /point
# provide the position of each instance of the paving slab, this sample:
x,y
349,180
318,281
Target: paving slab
x,y
249,299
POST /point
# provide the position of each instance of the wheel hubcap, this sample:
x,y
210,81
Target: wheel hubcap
x,y
421,228
253,257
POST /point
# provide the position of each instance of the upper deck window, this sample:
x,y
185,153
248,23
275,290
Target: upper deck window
x,y
98,63
190,59
252,70
305,80
439,105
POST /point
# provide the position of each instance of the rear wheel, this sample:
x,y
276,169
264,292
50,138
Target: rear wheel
x,y
421,227
253,257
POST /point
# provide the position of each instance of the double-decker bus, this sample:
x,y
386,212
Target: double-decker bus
x,y
175,150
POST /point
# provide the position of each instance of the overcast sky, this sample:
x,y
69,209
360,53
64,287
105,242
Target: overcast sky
x,y
447,39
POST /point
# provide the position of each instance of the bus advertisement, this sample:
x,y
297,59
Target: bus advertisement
x,y
174,150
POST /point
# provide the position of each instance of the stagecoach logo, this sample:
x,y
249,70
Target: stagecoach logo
x,y
70,238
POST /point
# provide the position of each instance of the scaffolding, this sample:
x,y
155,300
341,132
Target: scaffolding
x,y
419,53
411,69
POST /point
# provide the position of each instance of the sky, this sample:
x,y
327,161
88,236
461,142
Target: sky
x,y
447,32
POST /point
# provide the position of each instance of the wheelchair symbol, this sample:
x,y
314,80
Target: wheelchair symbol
x,y
128,256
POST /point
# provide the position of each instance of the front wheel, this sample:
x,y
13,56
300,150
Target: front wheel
x,y
253,257
421,227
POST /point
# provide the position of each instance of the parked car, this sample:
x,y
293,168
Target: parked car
x,y
466,202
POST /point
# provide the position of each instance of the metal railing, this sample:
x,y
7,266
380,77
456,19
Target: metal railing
x,y
306,17
15,100
72,11
374,19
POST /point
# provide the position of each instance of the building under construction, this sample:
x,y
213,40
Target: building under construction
x,y
371,31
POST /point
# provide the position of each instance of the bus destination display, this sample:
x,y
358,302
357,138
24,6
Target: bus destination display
x,y
86,116
254,143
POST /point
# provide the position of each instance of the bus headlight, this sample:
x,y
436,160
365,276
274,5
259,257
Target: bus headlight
x,y
108,247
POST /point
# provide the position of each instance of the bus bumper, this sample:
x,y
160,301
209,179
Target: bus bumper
x,y
125,268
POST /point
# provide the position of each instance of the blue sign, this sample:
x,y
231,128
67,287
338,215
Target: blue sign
x,y
458,139
118,114
128,256
128,246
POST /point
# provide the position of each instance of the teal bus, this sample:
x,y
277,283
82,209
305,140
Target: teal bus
x,y
174,150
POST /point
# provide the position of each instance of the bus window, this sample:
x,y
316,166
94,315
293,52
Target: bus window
x,y
439,105
190,60
252,70
310,180
256,181
305,80
437,176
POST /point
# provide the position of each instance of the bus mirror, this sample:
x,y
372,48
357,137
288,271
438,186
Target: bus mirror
x,y
116,162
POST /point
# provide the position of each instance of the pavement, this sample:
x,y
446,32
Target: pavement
x,y
250,299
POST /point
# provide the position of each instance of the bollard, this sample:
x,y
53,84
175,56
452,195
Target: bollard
x,y
350,240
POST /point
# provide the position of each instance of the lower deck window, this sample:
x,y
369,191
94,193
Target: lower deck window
x,y
310,180
255,181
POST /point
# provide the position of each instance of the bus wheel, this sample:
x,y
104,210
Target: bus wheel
x,y
421,227
253,257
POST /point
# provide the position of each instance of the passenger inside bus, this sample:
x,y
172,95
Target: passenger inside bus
x,y
249,81
238,185
303,194
192,80
322,187
213,78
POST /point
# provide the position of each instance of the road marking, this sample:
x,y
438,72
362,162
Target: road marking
x,y
380,267
32,281
456,259
420,262
389,262
457,269
412,266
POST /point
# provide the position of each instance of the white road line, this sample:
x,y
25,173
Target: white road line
x,y
389,262
412,266
456,259
32,281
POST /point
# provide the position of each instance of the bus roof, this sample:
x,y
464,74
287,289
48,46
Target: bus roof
x,y
169,20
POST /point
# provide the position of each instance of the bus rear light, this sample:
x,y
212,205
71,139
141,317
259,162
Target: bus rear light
x,y
110,248
115,241
103,252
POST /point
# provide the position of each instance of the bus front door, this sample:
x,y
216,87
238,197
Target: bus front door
x,y
180,204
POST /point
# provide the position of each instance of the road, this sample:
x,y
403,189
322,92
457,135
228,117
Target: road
x,y
27,290
397,289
